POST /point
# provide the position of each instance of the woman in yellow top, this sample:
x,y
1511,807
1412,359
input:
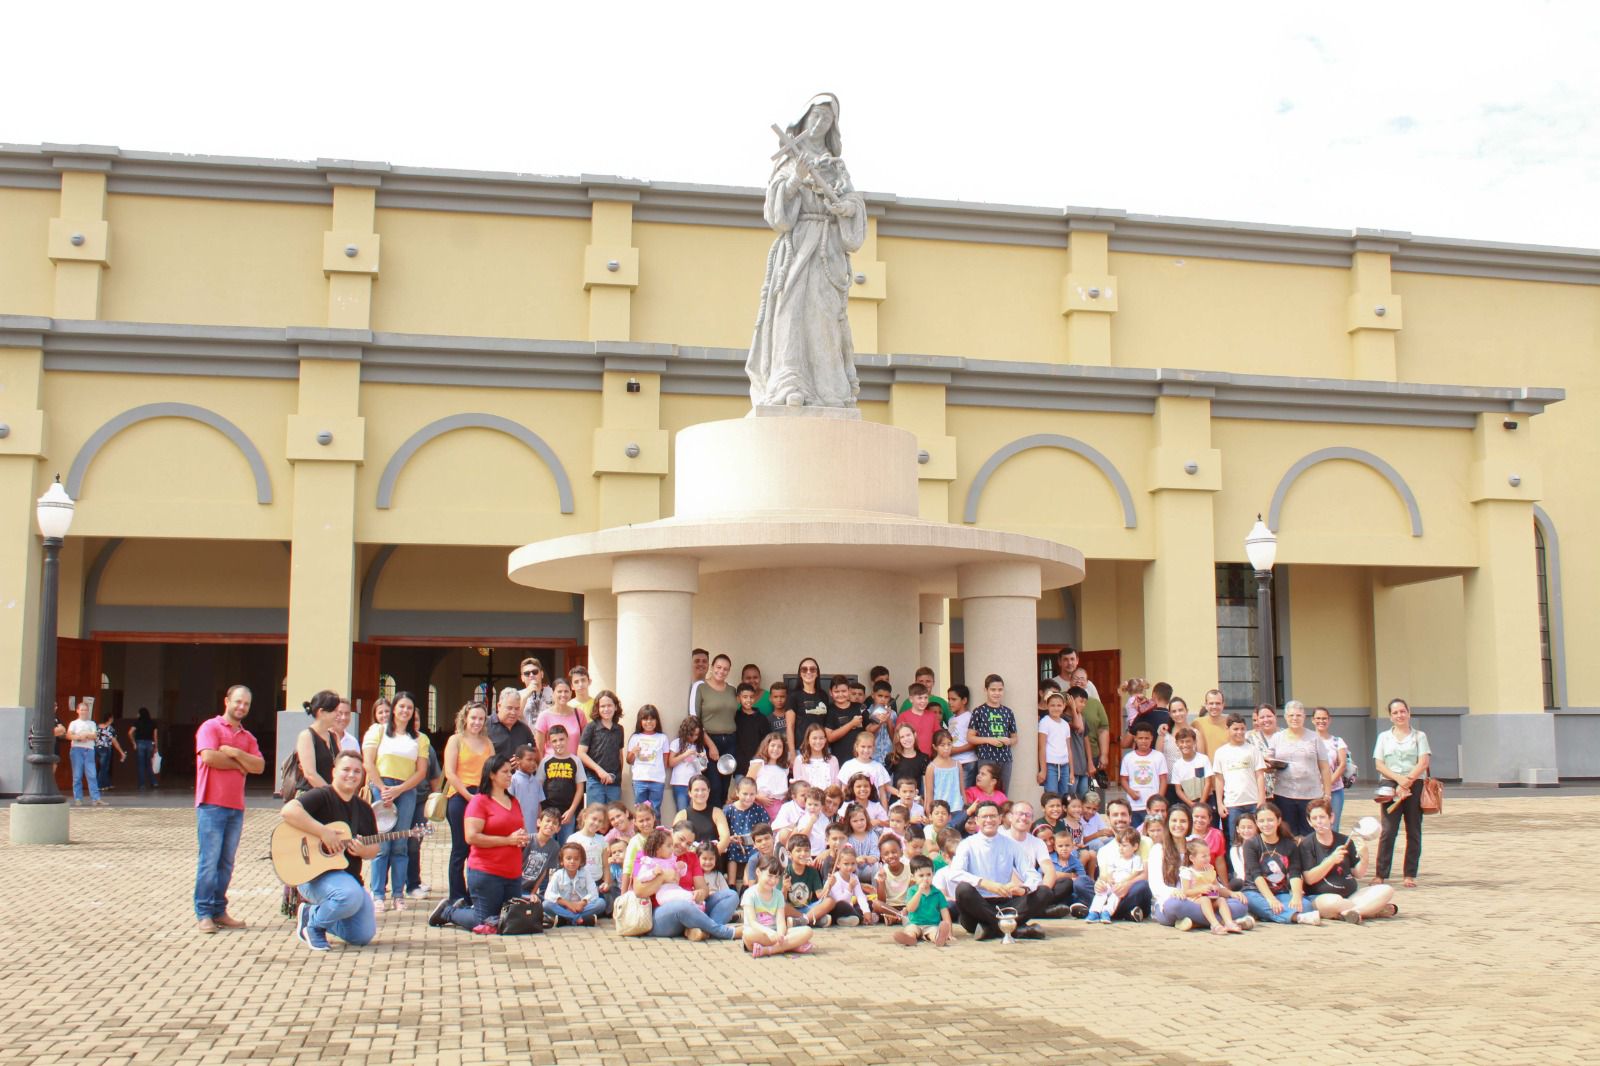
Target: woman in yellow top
x,y
396,762
464,755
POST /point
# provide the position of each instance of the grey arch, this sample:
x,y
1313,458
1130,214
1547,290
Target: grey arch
x,y
473,420
144,413
1066,444
369,589
1354,455
1552,579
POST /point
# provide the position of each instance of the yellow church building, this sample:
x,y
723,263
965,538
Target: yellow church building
x,y
306,410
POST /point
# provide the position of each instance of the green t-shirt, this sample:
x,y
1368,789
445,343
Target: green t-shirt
x,y
936,701
930,907
810,877
1094,720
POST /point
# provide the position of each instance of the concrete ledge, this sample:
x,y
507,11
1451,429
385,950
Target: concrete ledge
x,y
1500,748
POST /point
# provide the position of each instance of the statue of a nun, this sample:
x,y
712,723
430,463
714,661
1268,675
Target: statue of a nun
x,y
802,355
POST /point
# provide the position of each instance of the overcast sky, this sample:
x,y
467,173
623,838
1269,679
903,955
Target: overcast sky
x,y
1457,119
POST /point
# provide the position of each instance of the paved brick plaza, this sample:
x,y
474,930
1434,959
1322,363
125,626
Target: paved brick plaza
x,y
104,966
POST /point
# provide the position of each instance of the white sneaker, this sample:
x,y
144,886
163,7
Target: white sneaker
x,y
848,921
420,892
1183,925
1308,918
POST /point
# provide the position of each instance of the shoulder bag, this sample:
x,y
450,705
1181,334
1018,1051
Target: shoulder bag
x,y
521,916
1432,796
434,807
634,916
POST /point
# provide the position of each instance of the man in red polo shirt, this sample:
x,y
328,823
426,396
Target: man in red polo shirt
x,y
224,753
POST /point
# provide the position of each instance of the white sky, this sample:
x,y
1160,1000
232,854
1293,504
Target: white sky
x,y
1462,119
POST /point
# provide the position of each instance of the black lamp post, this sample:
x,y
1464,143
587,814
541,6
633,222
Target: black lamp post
x,y
54,511
1261,548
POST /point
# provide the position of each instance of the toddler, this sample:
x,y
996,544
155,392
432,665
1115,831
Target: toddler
x,y
926,908
1115,882
1198,881
570,894
709,857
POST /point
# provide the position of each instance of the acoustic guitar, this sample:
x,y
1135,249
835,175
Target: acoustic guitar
x,y
299,857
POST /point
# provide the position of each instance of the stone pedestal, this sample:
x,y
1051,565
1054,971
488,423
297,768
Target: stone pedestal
x,y
40,823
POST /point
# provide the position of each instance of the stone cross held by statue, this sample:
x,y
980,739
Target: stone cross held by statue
x,y
788,145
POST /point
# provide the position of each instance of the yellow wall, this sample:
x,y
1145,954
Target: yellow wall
x,y
1049,492
455,578
476,486
170,476
974,300
1343,512
480,275
1330,622
698,285
197,573
1419,641
215,261
27,279
1218,314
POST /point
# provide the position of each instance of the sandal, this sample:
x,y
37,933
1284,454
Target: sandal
x,y
803,949
1220,930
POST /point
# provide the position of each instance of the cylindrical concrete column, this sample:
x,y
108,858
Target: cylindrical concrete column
x,y
600,618
655,622
1000,609
930,619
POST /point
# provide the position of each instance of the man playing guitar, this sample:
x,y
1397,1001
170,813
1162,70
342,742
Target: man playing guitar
x,y
338,903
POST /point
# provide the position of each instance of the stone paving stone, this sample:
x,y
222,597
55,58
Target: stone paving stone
x,y
1483,967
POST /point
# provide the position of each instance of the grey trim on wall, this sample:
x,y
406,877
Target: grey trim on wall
x,y
494,192
125,618
1558,628
1050,440
474,420
509,362
369,589
146,412
1354,455
1283,630
91,586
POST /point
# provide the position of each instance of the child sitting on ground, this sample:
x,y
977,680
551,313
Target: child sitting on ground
x,y
899,823
843,902
926,908
762,845
571,896
939,820
905,789
863,841
709,858
894,878
860,793
1115,882
836,839
615,852
644,823
766,924
659,854
802,881
1197,880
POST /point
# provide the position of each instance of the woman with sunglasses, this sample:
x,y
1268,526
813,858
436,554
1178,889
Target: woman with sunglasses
x,y
808,700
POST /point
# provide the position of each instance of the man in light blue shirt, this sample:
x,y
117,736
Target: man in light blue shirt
x,y
988,873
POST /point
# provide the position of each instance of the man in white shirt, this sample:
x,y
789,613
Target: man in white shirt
x,y
1052,890
988,873
1136,904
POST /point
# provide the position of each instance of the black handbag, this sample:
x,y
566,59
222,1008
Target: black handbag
x,y
521,916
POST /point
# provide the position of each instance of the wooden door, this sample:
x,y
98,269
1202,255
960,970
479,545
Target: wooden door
x,y
578,656
1105,670
77,676
363,683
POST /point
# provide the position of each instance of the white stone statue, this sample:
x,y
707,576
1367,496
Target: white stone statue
x,y
802,355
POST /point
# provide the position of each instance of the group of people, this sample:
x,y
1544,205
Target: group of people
x,y
845,804
91,746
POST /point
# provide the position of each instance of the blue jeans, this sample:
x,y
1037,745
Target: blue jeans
x,y
594,908
339,905
489,894
671,919
392,860
1137,819
651,792
1080,785
145,751
1263,910
596,792
1336,801
83,770
1058,778
1138,896
102,767
680,799
218,829
455,814
419,817
1169,912
969,775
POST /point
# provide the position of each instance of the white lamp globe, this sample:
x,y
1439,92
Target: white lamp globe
x,y
1260,546
54,510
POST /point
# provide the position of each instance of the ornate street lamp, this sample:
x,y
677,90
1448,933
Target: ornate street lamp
x,y
54,511
1261,548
